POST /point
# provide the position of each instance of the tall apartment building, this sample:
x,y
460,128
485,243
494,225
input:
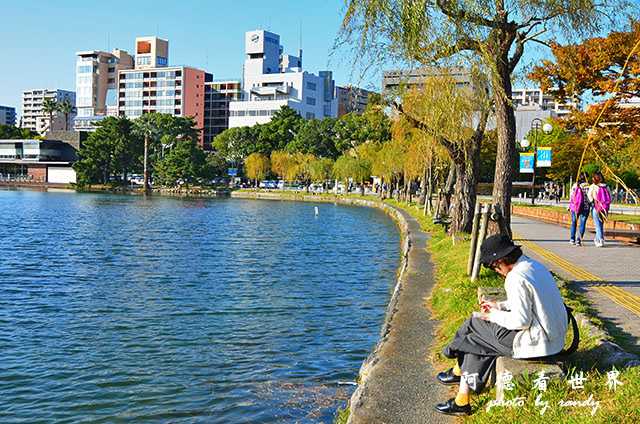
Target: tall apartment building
x,y
271,80
34,118
217,97
96,81
351,99
154,87
7,115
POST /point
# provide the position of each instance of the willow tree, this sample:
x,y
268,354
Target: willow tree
x,y
490,33
257,165
455,117
283,164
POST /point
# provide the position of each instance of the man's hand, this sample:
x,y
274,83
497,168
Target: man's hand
x,y
488,305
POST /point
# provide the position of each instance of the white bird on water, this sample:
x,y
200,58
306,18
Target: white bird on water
x,y
316,208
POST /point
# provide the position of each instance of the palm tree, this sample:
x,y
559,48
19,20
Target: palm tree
x,y
66,108
50,106
147,125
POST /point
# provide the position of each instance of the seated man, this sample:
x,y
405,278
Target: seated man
x,y
531,323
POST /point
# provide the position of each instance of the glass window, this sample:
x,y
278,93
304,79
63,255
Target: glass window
x,y
311,85
311,101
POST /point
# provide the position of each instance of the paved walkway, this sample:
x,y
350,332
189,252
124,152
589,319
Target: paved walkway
x,y
610,276
401,387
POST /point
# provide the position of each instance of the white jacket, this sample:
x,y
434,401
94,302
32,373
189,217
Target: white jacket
x,y
534,306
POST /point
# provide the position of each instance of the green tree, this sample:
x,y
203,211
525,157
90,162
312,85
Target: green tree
x,y
490,35
217,164
50,106
147,126
282,128
11,132
127,146
66,108
96,156
257,165
317,137
237,144
186,161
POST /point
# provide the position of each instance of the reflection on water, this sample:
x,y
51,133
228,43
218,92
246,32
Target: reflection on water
x,y
120,308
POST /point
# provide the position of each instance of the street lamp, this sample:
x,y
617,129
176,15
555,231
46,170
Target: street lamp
x,y
536,124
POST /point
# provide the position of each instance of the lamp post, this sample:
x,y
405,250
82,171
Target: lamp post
x,y
536,124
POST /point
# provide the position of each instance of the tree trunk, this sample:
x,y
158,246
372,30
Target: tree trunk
x,y
423,186
505,128
468,173
445,206
146,163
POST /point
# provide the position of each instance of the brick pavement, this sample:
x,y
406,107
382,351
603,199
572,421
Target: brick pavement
x,y
617,263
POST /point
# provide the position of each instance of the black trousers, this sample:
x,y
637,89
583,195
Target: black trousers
x,y
476,345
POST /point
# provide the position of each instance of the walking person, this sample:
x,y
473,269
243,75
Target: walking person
x,y
600,196
531,323
580,208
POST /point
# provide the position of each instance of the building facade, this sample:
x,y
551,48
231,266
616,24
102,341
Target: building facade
x,y
178,91
217,97
7,115
35,119
272,80
37,161
97,83
535,98
351,99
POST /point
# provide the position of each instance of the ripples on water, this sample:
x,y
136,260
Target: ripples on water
x,y
123,308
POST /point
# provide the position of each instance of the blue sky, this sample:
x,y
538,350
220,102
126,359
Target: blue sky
x,y
40,38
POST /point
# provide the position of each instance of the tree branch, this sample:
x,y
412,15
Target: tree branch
x,y
461,15
448,145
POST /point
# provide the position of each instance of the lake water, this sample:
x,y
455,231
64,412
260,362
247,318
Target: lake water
x,y
160,309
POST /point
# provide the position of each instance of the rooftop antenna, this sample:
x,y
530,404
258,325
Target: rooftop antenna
x,y
300,45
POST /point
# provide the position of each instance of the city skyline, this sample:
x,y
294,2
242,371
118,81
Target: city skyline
x,y
203,35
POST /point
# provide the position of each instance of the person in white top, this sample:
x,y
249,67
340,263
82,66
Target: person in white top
x,y
600,202
531,323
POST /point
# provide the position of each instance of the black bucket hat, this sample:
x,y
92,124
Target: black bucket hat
x,y
496,247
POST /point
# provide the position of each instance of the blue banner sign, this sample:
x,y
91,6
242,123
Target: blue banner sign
x,y
526,163
232,171
544,156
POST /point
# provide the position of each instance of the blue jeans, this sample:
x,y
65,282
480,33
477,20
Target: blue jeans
x,y
583,220
598,222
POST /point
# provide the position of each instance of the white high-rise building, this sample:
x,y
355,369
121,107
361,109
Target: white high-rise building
x,y
35,119
272,80
97,84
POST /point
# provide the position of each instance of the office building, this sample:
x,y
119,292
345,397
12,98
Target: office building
x,y
35,119
271,80
217,97
7,115
351,99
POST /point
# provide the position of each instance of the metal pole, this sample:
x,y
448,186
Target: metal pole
x,y
535,151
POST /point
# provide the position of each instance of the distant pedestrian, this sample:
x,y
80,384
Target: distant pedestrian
x,y
600,196
531,323
580,208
